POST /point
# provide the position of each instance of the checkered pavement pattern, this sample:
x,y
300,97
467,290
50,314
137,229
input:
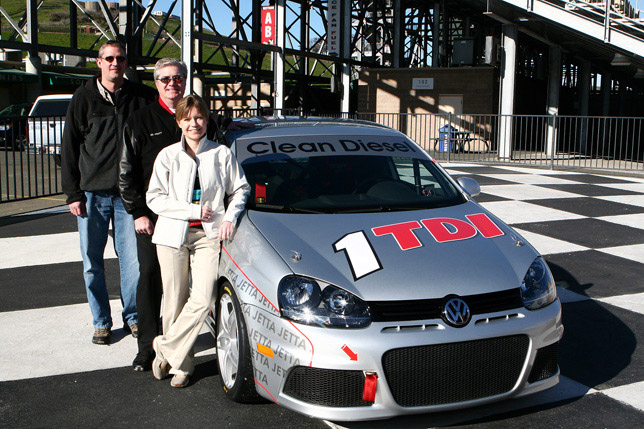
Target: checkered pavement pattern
x,y
588,227
590,230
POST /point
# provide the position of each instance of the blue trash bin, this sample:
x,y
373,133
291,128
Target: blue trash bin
x,y
446,138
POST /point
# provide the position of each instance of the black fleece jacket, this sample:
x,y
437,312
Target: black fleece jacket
x,y
93,135
146,132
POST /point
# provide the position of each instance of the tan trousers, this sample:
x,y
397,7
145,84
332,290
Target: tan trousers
x,y
184,308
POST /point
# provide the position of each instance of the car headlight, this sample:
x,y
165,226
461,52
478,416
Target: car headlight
x,y
538,288
302,300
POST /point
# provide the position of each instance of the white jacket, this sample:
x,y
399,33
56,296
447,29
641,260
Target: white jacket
x,y
170,192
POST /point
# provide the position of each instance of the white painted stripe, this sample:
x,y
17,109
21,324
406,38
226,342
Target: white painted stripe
x,y
635,187
626,178
630,394
446,164
634,200
532,179
566,296
633,252
58,340
51,210
632,220
533,170
44,249
525,192
513,212
453,172
633,302
548,245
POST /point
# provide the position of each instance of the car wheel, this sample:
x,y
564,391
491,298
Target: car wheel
x,y
233,350
57,160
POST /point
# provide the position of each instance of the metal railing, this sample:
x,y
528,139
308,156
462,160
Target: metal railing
x,y
619,14
612,143
29,160
29,169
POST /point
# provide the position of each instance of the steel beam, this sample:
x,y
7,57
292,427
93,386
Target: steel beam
x,y
554,84
506,107
108,18
187,39
279,57
345,50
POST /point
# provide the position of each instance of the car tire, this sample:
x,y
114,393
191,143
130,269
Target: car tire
x,y
234,358
57,160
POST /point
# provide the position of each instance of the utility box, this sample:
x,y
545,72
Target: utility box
x,y
463,52
446,138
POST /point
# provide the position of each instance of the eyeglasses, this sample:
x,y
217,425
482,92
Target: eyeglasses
x,y
176,79
111,58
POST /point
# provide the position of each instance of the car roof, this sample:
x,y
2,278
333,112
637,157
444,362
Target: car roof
x,y
315,136
54,97
311,125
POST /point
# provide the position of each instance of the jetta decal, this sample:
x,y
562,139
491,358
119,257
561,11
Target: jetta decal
x,y
362,257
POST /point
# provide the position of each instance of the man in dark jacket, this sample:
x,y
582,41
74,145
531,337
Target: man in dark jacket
x,y
146,132
90,148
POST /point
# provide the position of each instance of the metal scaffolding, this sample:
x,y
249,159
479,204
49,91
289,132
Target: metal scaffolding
x,y
311,63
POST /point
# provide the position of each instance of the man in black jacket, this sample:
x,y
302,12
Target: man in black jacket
x,y
90,148
148,131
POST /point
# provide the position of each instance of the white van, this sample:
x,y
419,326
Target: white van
x,y
46,123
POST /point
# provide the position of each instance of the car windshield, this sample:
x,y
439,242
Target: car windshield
x,y
51,108
348,183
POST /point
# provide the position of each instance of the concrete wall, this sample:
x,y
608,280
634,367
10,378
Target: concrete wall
x,y
384,91
390,90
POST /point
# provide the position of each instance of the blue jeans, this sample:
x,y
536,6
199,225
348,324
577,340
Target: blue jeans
x,y
103,207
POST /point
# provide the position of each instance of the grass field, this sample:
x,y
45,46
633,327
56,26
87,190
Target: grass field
x,y
53,18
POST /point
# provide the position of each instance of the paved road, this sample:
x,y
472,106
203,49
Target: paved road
x,y
590,228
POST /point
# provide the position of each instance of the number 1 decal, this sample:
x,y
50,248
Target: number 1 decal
x,y
360,255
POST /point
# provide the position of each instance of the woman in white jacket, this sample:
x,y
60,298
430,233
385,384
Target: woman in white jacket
x,y
187,189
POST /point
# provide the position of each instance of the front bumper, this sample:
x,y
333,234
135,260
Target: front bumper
x,y
330,363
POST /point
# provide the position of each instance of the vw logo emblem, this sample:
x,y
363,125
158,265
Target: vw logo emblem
x,y
456,313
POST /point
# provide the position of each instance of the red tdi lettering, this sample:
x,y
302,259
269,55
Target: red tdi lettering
x,y
485,225
403,234
459,229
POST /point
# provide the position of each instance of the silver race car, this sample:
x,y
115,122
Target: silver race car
x,y
363,282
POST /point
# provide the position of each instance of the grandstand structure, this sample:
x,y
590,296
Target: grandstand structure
x,y
578,57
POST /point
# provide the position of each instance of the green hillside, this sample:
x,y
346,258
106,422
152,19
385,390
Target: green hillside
x,y
53,29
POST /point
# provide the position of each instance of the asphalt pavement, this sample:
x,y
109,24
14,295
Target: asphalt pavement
x,y
589,227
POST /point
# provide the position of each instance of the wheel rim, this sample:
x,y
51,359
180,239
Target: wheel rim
x,y
227,341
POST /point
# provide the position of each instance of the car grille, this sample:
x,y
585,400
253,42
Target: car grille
x,y
455,372
327,387
545,364
391,311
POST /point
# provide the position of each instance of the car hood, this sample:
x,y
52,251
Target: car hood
x,y
435,269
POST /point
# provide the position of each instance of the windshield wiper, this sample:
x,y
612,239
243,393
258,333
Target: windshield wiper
x,y
286,208
369,209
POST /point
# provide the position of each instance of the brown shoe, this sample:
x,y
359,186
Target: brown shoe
x,y
134,329
160,366
102,336
179,381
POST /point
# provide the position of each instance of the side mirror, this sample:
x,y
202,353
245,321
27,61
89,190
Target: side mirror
x,y
470,186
